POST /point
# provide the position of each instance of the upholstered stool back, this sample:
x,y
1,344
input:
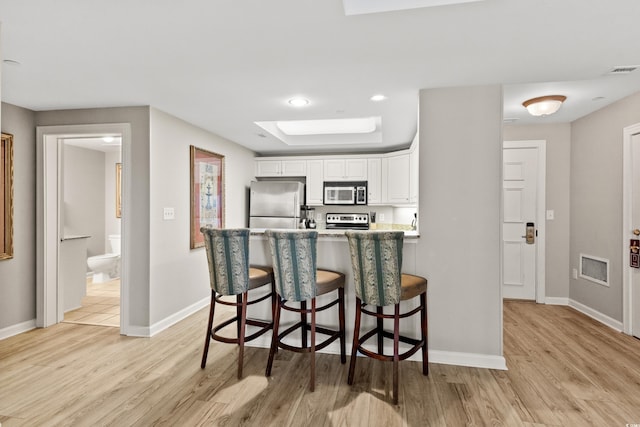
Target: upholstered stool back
x,y
228,258
376,259
294,263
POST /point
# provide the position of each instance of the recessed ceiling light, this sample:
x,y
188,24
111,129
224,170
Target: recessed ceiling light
x,y
327,127
299,102
378,97
108,139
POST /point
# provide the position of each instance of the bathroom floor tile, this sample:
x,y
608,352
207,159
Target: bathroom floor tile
x,y
100,306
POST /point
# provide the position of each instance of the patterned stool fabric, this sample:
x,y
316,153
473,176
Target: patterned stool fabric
x,y
230,274
297,281
376,259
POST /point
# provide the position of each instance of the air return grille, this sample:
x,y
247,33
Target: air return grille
x,y
594,269
623,69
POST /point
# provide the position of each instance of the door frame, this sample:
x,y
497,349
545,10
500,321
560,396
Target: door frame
x,y
627,188
48,174
541,146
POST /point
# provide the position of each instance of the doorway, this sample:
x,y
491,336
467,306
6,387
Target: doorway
x,y
630,223
50,223
523,220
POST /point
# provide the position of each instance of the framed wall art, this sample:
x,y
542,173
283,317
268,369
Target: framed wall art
x,y
6,196
118,190
207,193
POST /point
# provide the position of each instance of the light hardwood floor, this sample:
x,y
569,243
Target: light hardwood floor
x,y
564,370
100,306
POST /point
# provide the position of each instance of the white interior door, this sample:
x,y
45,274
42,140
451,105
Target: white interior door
x,y
520,206
635,225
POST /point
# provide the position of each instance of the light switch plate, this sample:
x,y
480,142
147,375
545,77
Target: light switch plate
x,y
550,214
169,214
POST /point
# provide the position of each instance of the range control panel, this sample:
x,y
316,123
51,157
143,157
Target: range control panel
x,y
347,220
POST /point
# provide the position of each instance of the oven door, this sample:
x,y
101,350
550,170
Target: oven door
x,y
339,196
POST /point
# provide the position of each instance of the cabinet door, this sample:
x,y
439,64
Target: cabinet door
x,y
268,167
315,182
414,176
356,169
398,179
294,168
334,169
374,181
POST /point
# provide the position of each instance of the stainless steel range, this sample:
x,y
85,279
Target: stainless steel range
x,y
347,221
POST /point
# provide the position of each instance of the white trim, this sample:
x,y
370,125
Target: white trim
x,y
594,314
556,301
48,305
171,320
472,360
541,203
627,226
13,330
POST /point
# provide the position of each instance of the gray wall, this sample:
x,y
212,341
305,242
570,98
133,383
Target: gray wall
x,y
18,275
460,189
83,196
138,117
596,200
179,275
558,137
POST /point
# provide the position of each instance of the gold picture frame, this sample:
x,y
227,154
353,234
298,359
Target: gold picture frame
x,y
206,192
118,190
6,196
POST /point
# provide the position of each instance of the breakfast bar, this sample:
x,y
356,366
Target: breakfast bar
x,y
333,254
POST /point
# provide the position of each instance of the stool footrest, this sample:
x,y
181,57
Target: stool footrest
x,y
415,343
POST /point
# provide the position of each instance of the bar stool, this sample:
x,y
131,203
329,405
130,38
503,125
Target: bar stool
x,y
297,281
231,274
376,258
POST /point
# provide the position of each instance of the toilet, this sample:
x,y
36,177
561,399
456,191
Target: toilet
x,y
106,267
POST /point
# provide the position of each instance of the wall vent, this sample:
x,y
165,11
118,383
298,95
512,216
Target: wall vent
x,y
594,269
623,69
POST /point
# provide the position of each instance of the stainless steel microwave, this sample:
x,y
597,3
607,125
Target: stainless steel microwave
x,y
345,193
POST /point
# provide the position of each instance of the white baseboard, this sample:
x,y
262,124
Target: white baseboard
x,y
17,329
594,314
141,331
471,360
556,301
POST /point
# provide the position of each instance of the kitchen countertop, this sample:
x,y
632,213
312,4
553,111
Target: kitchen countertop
x,y
412,234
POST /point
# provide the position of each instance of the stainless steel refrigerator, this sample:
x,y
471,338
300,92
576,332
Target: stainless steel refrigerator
x,y
275,204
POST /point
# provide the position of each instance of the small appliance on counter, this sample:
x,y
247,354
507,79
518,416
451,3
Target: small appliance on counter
x,y
345,192
307,217
347,221
276,204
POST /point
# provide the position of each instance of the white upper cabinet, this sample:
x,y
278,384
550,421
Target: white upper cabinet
x,y
315,182
398,179
374,181
297,167
345,169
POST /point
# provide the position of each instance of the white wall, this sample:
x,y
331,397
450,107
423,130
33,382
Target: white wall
x,y
558,138
596,200
83,204
459,221
179,276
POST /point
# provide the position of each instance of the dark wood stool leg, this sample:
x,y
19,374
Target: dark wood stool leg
x,y
396,349
343,350
380,329
243,327
303,320
209,326
313,344
274,336
356,343
424,330
238,315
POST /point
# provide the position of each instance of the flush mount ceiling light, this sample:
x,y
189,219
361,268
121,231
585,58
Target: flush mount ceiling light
x,y
327,127
544,105
378,97
298,102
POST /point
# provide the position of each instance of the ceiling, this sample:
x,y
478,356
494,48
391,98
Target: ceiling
x,y
224,65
